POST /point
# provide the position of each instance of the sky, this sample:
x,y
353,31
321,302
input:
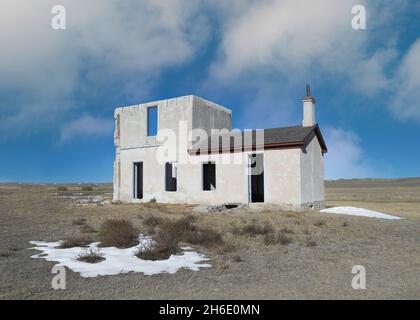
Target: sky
x,y
59,88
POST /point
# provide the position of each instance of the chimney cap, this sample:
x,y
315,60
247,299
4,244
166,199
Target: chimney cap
x,y
308,93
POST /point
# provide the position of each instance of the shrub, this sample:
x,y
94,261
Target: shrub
x,y
75,242
237,258
270,239
157,252
254,229
151,203
287,230
91,256
280,237
79,221
311,243
5,254
203,236
118,233
151,222
319,223
171,232
283,239
62,188
87,188
86,228
345,224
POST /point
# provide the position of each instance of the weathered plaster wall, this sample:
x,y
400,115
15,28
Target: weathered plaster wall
x,y
282,177
133,120
133,144
208,115
312,175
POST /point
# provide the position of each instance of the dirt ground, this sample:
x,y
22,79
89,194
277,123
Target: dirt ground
x,y
317,264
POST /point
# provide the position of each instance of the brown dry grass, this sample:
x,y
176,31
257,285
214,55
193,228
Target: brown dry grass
x,y
253,229
252,270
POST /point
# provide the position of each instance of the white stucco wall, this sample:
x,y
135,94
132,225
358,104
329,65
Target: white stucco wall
x,y
282,175
312,174
281,178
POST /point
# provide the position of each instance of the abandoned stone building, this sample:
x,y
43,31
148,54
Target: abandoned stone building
x,y
183,150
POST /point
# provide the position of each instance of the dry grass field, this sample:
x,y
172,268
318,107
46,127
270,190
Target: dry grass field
x,y
261,254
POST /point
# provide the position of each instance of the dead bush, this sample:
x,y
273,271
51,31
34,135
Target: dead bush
x,y
345,224
270,239
254,229
203,236
79,221
319,223
75,242
280,237
158,252
86,228
118,233
292,214
283,239
171,232
285,229
310,242
5,254
91,256
151,222
237,258
151,203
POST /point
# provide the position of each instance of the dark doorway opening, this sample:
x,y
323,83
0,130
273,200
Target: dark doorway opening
x,y
256,177
209,176
138,180
170,177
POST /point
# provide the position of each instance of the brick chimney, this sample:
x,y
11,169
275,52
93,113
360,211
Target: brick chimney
x,y
308,108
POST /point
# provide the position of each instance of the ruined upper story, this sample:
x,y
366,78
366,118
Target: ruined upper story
x,y
137,126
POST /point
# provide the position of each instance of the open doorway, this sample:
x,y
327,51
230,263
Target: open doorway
x,y
138,180
256,177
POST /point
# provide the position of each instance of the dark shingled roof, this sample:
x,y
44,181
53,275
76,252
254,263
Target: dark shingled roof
x,y
287,137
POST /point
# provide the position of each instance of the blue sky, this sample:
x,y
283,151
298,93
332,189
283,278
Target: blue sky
x,y
58,88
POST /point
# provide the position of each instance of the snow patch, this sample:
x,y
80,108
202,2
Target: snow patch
x,y
352,211
117,260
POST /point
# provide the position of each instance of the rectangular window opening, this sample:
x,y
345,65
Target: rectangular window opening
x,y
170,177
138,180
152,121
209,176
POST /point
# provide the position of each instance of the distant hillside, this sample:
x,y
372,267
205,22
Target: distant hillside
x,y
360,183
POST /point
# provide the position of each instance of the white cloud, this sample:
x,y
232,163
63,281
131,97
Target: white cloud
x,y
405,104
297,37
86,127
345,157
107,44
